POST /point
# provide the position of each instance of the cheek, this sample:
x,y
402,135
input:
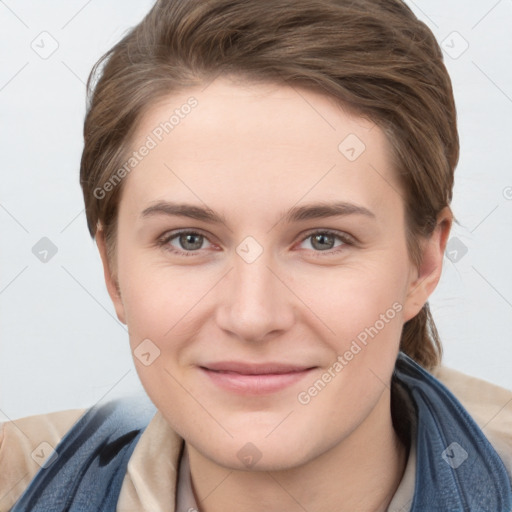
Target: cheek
x,y
349,300
156,295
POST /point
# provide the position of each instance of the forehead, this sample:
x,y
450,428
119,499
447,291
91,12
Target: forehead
x,y
259,144
250,113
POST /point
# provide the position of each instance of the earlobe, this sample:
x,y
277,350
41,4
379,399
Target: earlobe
x,y
425,279
110,279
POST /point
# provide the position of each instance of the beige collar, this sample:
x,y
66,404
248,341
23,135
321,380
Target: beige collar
x,y
151,477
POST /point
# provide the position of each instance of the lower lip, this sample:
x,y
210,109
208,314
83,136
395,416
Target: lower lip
x,y
260,384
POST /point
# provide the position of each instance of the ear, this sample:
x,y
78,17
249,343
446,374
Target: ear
x,y
424,279
110,279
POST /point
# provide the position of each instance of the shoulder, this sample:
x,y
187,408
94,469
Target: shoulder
x,y
25,445
489,405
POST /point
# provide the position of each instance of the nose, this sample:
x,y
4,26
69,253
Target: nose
x,y
254,302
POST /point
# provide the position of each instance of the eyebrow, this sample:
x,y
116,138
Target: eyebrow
x,y
295,214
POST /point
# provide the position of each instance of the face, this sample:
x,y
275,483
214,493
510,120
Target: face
x,y
263,270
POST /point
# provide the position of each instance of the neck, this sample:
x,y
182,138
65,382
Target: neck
x,y
362,472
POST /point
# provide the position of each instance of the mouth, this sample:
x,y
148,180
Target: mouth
x,y
254,379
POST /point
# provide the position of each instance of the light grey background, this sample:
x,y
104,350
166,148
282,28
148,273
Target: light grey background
x,y
61,344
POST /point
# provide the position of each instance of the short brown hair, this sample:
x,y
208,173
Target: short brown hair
x,y
374,56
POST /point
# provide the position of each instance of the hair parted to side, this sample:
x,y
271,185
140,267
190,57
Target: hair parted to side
x,y
374,56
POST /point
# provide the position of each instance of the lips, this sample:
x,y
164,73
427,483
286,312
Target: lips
x,y
257,379
254,369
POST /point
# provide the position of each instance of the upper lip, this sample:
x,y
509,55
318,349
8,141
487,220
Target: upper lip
x,y
254,368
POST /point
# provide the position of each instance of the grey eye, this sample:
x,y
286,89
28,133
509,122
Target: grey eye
x,y
190,241
322,241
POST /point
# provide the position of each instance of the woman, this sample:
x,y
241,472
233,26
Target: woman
x,y
225,143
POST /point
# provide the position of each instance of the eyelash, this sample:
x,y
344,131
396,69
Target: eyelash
x,y
164,240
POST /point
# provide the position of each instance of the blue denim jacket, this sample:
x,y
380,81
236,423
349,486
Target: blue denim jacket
x,y
457,469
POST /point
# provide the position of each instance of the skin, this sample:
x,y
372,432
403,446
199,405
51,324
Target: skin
x,y
250,152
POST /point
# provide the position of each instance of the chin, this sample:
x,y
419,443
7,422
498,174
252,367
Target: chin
x,y
252,451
